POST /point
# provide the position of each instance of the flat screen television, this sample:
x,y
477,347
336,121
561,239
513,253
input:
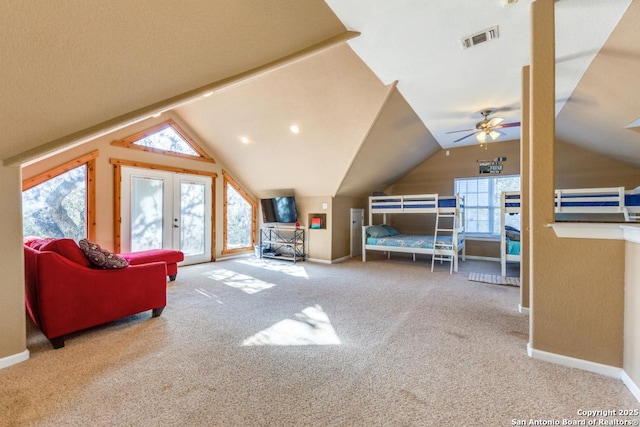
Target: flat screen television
x,y
279,209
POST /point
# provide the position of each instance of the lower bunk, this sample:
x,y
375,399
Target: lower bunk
x,y
390,240
510,247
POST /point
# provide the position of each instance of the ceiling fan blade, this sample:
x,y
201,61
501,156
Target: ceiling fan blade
x,y
464,137
508,125
495,122
461,130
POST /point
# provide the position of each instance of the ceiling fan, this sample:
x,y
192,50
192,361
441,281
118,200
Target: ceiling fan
x,y
486,128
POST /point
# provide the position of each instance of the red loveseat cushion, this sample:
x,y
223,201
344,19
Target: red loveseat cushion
x,y
69,249
153,255
170,257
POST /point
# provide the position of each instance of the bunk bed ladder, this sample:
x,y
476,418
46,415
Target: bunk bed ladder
x,y
440,246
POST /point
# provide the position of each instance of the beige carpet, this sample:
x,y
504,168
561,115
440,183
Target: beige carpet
x,y
494,279
249,343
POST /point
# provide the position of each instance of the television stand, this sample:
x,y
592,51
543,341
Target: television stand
x,y
285,243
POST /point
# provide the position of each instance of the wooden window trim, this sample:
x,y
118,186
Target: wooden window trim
x,y
89,160
254,208
117,196
129,142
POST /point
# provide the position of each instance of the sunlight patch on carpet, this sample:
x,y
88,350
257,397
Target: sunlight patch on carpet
x,y
286,267
208,295
311,327
494,279
245,283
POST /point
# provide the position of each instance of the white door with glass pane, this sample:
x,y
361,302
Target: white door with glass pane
x,y
166,210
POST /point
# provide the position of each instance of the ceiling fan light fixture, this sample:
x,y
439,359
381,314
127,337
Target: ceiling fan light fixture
x,y
486,126
495,122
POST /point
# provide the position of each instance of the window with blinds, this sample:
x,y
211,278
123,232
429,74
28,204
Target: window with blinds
x,y
482,203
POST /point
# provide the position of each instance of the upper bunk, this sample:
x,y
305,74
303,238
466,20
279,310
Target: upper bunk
x,y
415,203
608,200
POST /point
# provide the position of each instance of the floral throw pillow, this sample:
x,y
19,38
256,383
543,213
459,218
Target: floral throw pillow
x,y
101,258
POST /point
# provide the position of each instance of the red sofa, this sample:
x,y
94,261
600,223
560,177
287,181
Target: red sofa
x,y
64,294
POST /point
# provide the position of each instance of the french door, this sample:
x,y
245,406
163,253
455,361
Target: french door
x,y
166,210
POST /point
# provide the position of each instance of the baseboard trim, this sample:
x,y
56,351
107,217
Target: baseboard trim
x,y
238,255
572,362
632,386
14,359
329,261
481,258
523,310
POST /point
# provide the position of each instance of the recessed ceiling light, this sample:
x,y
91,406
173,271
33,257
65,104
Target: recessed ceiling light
x,y
244,140
207,94
294,129
157,114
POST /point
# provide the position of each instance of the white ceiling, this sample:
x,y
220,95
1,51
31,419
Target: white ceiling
x,y
418,43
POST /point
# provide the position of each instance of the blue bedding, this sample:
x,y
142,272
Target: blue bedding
x,y
513,247
408,241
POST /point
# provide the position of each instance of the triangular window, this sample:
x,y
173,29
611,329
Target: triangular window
x,y
165,138
239,218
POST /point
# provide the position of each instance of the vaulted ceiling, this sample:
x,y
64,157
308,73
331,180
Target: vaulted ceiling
x,y
373,87
420,45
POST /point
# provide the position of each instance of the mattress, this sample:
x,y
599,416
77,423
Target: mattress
x,y
629,200
512,201
598,200
443,202
408,241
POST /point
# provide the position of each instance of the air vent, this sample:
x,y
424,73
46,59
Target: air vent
x,y
481,37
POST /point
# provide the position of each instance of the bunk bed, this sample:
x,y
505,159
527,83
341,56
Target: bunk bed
x,y
509,236
445,244
601,201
